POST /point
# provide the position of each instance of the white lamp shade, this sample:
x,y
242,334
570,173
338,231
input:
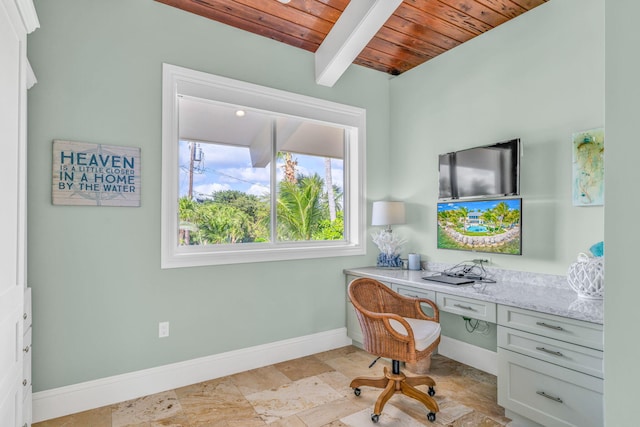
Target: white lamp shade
x,y
387,213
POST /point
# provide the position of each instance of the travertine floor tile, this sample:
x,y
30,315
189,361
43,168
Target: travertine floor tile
x,y
450,411
475,419
337,423
303,367
332,411
292,421
309,392
256,380
338,381
213,402
256,421
337,352
357,364
391,417
146,409
179,420
100,417
292,398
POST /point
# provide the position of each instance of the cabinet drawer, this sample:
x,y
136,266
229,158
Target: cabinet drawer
x,y
561,353
561,328
412,292
475,309
548,394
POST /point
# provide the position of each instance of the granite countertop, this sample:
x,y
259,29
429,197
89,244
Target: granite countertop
x,y
538,292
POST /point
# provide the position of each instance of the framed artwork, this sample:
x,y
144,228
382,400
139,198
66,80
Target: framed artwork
x,y
588,167
91,174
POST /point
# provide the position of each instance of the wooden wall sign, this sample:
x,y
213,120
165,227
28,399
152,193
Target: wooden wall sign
x,y
95,174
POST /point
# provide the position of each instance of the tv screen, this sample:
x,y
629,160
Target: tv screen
x,y
481,225
487,171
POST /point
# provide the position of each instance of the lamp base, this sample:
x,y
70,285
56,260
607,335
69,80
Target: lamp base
x,y
389,261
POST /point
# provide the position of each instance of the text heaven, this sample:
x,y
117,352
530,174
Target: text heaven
x,y
86,159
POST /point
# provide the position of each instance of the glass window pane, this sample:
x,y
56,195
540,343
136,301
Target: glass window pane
x,y
310,181
224,147
223,197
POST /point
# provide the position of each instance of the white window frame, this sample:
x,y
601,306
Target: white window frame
x,y
177,81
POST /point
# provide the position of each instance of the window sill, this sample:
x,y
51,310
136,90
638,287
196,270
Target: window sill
x,y
198,257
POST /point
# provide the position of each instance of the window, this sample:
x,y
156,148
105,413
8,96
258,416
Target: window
x,y
256,174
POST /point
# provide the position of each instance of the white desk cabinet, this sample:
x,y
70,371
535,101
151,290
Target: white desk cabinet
x,y
548,394
550,368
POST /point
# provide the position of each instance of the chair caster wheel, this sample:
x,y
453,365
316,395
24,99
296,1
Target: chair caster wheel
x,y
375,418
356,391
431,416
432,391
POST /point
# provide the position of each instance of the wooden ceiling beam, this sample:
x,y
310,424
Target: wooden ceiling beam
x,y
357,25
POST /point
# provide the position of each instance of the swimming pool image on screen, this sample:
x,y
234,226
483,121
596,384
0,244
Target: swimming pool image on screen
x,y
481,225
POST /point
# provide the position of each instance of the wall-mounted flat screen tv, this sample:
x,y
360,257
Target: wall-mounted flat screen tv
x,y
481,225
486,171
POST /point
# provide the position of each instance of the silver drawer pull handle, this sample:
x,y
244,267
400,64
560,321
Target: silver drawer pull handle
x,y
555,353
26,349
546,325
554,398
24,383
24,316
465,307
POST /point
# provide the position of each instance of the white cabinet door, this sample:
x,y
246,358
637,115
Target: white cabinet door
x,y
11,293
13,63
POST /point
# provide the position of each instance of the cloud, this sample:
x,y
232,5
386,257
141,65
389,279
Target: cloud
x,y
243,175
208,189
258,190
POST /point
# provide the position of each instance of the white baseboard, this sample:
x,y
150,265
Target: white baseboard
x,y
80,397
469,354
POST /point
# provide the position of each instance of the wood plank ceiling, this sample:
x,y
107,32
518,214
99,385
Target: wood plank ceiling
x,y
418,30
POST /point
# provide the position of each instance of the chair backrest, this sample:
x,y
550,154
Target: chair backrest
x,y
373,296
375,303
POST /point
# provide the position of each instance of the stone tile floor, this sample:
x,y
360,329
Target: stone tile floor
x,y
312,391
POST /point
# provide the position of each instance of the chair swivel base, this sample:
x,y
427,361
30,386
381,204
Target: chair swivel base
x,y
393,383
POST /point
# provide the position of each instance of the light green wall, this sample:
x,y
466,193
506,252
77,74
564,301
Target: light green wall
x,y
622,347
539,77
98,289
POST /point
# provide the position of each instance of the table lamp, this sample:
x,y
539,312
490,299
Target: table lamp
x,y
388,213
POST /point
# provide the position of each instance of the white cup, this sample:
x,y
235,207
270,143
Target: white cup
x,y
414,261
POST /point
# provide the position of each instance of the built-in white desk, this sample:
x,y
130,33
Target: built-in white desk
x,y
550,341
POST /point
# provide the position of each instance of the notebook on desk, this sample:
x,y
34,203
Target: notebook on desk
x,y
450,280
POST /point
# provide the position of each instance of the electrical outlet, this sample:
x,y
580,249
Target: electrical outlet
x,y
163,329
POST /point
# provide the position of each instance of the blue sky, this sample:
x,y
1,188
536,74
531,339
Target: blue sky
x,y
481,205
225,167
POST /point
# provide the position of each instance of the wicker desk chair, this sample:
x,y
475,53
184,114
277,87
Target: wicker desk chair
x,y
395,327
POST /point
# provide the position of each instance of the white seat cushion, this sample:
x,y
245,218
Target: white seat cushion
x,y
425,332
